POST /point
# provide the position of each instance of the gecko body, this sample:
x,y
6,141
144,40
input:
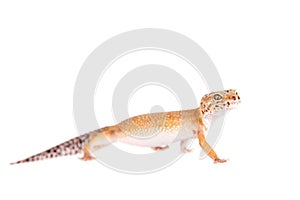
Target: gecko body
x,y
154,130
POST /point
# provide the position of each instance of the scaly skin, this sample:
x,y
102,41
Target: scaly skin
x,y
154,130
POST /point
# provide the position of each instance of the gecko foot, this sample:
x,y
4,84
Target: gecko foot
x,y
159,148
184,144
186,150
218,160
86,156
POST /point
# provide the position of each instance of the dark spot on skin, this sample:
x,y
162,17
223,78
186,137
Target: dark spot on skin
x,y
98,130
233,97
110,132
228,104
239,98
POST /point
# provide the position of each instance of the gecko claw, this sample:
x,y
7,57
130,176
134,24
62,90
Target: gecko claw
x,y
159,148
86,157
218,160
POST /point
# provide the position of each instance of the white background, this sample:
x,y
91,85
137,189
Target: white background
x,y
254,45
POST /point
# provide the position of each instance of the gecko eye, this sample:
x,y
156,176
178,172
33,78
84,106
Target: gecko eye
x,y
217,97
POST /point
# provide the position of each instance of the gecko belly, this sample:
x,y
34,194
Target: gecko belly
x,y
156,138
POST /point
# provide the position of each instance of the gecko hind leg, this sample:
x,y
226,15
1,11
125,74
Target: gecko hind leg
x,y
99,140
184,144
160,148
86,155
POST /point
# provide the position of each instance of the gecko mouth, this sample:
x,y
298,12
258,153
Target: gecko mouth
x,y
232,105
235,102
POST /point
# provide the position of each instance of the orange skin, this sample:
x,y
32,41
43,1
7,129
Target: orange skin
x,y
154,130
168,122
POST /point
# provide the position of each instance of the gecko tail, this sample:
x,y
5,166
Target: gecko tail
x,y
70,147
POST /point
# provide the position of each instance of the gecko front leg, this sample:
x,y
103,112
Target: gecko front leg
x,y
207,148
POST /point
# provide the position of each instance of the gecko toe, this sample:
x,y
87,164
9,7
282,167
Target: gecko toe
x,y
218,160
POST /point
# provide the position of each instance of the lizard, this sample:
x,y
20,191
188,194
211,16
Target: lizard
x,y
154,130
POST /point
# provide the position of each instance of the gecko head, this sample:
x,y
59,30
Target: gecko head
x,y
218,101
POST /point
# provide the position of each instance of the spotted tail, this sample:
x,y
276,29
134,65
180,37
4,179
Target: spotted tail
x,y
70,147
